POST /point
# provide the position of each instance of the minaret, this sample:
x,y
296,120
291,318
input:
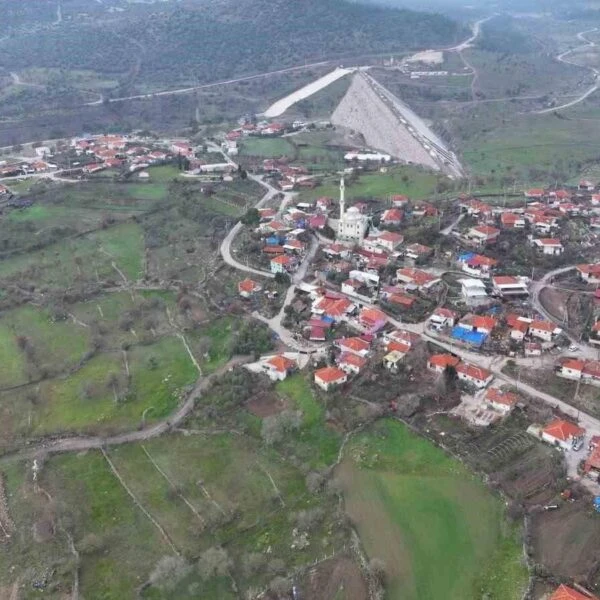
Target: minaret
x,y
342,198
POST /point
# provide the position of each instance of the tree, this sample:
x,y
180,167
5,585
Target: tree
x,y
282,278
214,562
168,572
275,427
251,218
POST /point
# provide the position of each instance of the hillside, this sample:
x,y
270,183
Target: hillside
x,y
197,41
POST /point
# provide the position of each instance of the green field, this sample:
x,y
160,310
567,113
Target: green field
x,y
415,183
267,147
93,255
534,145
315,440
437,528
100,396
220,491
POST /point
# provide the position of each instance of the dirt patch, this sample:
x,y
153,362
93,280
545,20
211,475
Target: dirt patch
x,y
570,307
7,527
333,579
265,405
43,531
567,541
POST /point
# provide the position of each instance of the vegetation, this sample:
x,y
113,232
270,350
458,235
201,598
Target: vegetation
x,y
434,526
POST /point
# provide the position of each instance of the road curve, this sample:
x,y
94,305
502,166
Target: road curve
x,y
80,444
561,58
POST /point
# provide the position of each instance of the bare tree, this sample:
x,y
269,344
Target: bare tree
x,y
168,572
214,562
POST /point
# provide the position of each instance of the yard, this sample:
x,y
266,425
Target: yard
x,y
437,528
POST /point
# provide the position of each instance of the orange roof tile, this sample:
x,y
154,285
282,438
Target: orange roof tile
x,y
563,430
281,363
330,374
564,592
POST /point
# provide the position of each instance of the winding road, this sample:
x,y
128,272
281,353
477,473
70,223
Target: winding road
x,y
561,58
80,444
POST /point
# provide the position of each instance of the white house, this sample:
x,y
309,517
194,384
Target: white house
x,y
562,433
509,287
589,273
473,291
354,345
282,264
442,317
544,330
351,363
330,377
477,376
501,401
548,246
279,367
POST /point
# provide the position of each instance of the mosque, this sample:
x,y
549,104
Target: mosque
x,y
352,225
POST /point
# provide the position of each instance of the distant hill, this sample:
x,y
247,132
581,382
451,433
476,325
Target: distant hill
x,y
205,40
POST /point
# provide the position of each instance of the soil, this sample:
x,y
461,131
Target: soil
x,y
567,541
325,581
43,531
265,405
576,307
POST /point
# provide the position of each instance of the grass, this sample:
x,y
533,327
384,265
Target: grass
x,y
163,173
435,526
118,544
211,344
315,439
90,257
21,186
267,147
85,401
414,182
102,508
542,143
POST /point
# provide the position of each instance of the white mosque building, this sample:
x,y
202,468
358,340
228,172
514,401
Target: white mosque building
x,y
352,225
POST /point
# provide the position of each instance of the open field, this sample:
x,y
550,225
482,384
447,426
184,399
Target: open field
x,y
267,147
436,527
203,491
534,145
414,182
91,257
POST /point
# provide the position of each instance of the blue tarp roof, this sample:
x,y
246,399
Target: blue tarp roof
x,y
476,338
466,256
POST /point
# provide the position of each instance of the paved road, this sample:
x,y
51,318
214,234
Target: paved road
x,y
79,444
206,86
561,58
227,242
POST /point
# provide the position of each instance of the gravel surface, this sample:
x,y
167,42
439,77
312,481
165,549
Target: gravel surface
x,y
363,110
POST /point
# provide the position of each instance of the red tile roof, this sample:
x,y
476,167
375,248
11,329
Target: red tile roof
x,y
499,397
347,358
248,286
356,344
281,363
543,326
330,374
564,592
563,430
443,360
473,371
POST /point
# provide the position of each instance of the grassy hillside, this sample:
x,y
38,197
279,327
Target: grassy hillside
x,y
436,527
